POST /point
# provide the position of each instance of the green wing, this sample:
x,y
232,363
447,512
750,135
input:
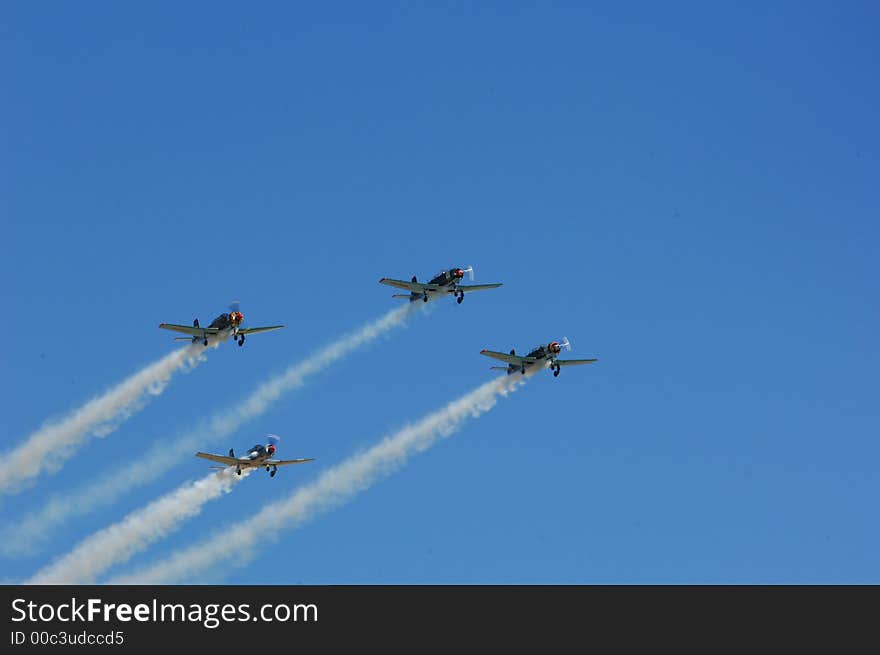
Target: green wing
x,y
221,459
255,330
414,287
476,287
283,462
189,329
510,359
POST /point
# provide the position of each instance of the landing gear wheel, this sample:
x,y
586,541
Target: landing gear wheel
x,y
523,369
460,297
425,297
241,341
556,372
238,470
273,471
205,342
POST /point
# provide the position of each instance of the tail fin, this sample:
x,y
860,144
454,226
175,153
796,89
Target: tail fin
x,y
196,322
415,279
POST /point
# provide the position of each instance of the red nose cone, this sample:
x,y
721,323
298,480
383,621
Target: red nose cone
x,y
271,449
554,347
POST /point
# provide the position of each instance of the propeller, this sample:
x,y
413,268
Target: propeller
x,y
565,343
470,271
235,308
273,439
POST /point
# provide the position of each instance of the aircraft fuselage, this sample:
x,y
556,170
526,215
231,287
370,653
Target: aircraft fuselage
x,y
256,458
228,328
447,281
222,322
544,356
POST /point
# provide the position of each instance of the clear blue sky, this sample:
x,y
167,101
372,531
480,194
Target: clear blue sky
x,y
689,193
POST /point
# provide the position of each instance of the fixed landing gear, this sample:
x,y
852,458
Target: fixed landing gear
x,y
238,470
205,341
556,369
273,471
522,369
240,341
460,297
425,296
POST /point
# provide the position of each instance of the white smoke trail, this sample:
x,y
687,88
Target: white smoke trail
x,y
332,488
48,448
117,543
26,534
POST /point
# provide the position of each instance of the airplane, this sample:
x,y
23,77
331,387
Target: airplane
x,y
445,282
221,328
541,356
257,457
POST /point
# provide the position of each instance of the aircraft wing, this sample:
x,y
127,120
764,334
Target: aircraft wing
x,y
220,459
284,462
517,360
189,329
414,287
575,362
255,330
476,287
